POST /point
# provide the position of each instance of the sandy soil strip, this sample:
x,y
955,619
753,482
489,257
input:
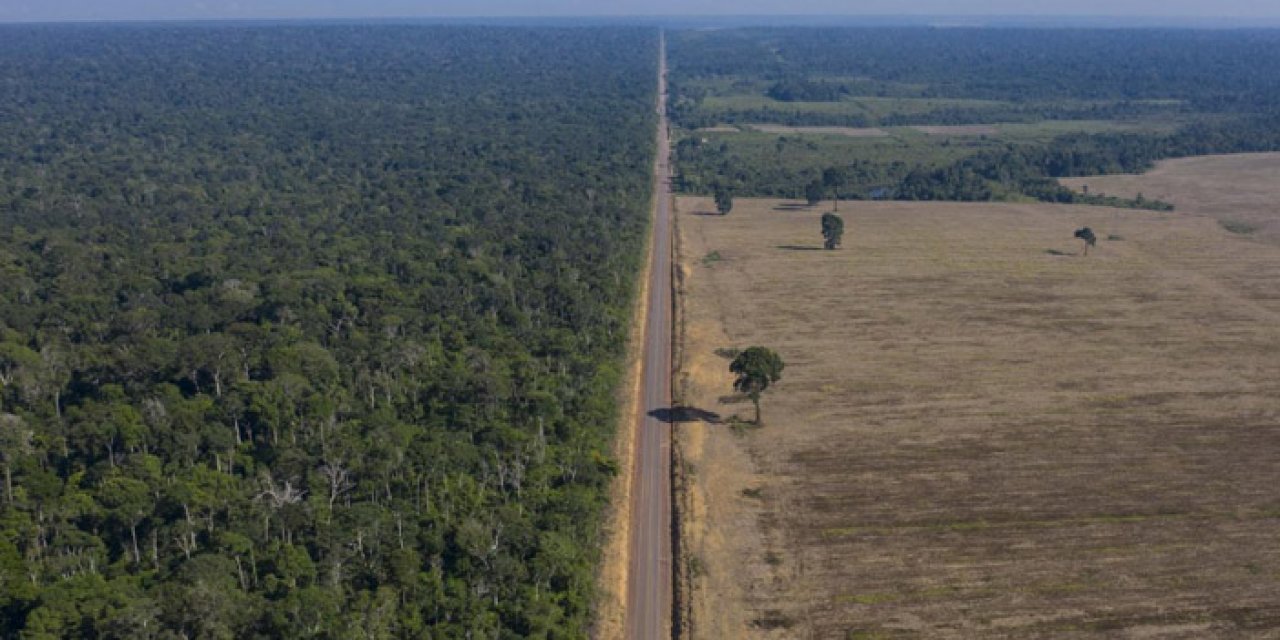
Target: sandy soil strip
x,y
611,602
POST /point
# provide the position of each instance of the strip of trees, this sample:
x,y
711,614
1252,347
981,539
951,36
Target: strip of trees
x,y
1016,171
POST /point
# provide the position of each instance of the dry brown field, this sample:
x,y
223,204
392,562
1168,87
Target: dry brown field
x,y
981,433
1242,191
851,132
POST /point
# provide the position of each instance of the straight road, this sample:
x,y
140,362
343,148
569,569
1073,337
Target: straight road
x,y
649,581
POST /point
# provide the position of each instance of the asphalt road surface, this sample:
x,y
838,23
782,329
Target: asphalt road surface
x,y
649,582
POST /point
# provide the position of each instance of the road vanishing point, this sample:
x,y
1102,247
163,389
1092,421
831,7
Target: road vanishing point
x,y
649,579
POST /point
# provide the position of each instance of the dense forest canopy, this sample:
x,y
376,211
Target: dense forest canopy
x,y
312,331
1175,92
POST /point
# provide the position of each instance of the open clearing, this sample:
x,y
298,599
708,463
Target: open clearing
x,y
852,132
959,130
873,107
980,433
1241,191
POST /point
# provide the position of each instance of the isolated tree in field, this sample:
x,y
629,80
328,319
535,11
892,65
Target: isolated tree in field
x,y
832,230
724,201
1090,240
756,368
833,178
813,192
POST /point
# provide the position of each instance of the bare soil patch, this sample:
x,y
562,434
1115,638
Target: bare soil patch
x,y
1241,191
981,433
958,130
852,132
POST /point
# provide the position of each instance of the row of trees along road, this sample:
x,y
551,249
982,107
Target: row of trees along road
x,y
312,331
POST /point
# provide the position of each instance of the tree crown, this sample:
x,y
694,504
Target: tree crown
x,y
756,368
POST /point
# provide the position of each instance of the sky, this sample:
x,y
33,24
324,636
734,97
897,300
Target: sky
x,y
58,10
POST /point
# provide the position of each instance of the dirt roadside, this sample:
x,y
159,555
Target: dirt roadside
x,y
612,578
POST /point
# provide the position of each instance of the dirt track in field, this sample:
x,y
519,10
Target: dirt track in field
x,y
981,433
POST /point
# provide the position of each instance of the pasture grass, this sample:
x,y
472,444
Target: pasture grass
x,y
1086,446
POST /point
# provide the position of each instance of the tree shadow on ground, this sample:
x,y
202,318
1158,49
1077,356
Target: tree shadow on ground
x,y
794,206
675,415
796,247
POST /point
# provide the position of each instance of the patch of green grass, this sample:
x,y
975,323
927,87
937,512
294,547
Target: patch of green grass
x,y
1048,129
711,258
694,564
739,426
873,107
796,158
728,353
792,153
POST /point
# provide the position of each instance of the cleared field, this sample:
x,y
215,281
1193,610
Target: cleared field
x,y
852,132
961,130
980,433
1241,191
874,107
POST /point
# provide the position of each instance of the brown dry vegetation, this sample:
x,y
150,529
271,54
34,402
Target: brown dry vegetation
x,y
980,433
1242,191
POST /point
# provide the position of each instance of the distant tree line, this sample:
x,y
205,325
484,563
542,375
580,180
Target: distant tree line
x,y
1017,170
1074,69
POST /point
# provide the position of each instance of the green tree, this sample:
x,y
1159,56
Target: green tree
x,y
724,200
14,358
15,442
813,192
1086,235
756,369
832,230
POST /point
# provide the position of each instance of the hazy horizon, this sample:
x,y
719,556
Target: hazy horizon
x,y
131,10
